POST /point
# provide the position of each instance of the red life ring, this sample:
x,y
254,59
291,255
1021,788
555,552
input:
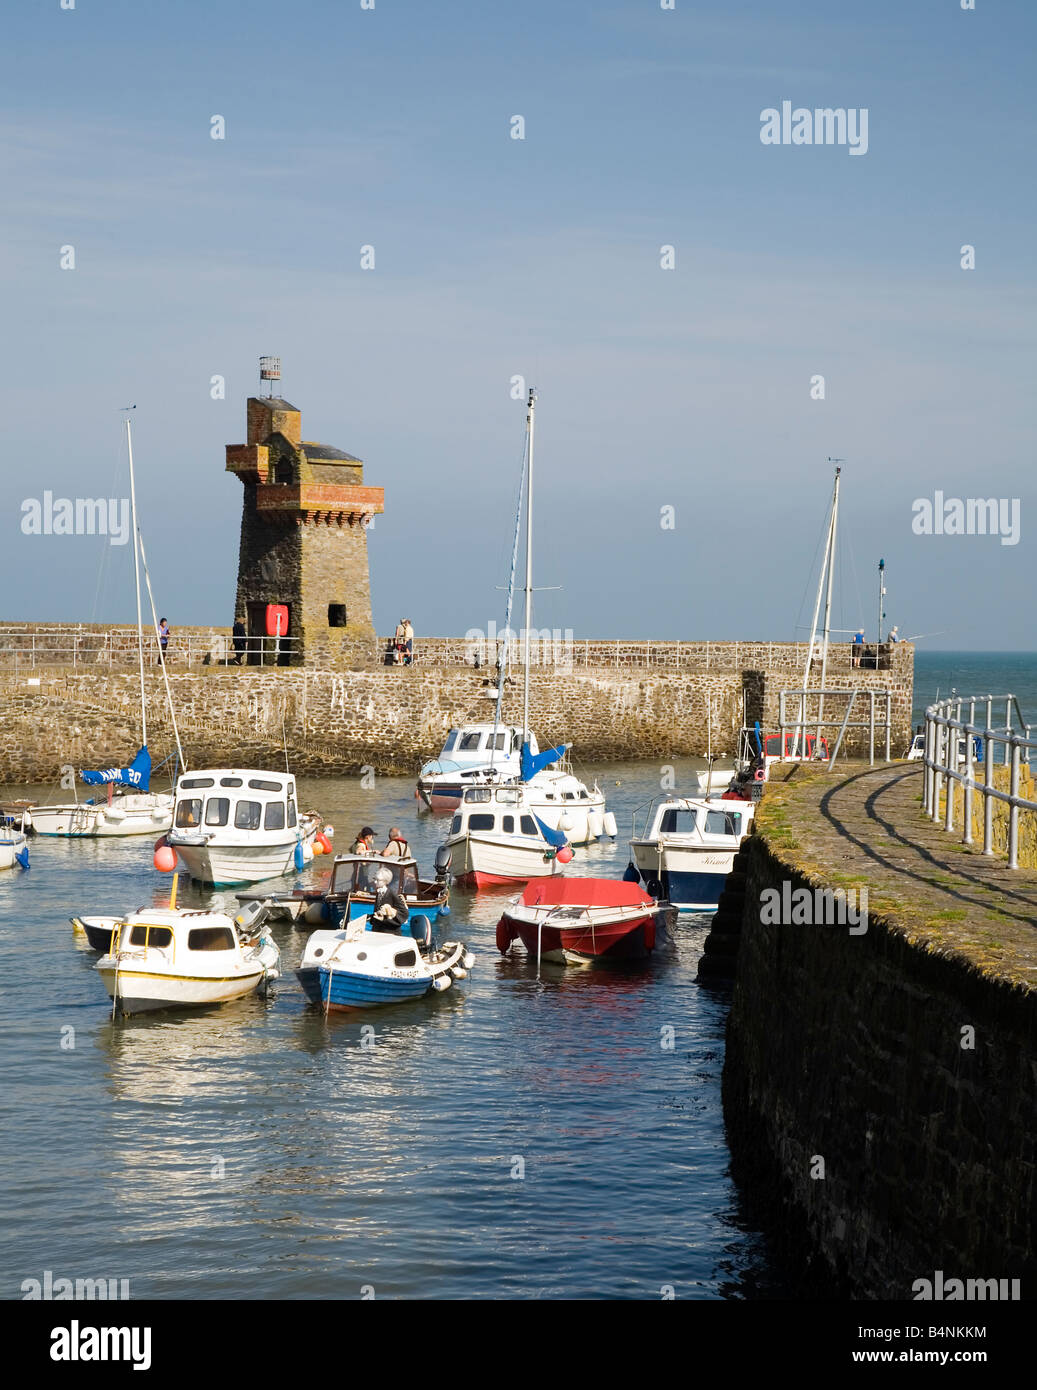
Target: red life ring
x,y
760,775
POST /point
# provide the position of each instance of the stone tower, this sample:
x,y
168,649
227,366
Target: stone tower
x,y
303,538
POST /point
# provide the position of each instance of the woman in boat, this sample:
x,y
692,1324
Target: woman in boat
x,y
364,842
390,911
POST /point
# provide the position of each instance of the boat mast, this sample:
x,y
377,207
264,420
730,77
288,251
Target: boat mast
x,y
828,596
136,580
529,561
825,567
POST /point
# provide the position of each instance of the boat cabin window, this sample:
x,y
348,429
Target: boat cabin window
x,y
258,785
273,817
583,795
231,782
217,810
455,825
405,958
497,742
528,825
246,815
189,811
568,796
141,935
189,783
508,825
722,823
477,794
469,742
481,822
291,813
676,821
451,739
210,939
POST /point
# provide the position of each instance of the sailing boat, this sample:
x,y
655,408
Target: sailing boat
x,y
137,811
759,750
509,830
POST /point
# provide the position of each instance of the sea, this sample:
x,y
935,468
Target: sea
x,y
551,1132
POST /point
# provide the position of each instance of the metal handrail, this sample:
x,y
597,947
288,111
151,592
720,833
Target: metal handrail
x,y
803,726
943,762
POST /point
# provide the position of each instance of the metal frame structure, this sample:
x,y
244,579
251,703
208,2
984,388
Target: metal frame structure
x,y
945,765
802,724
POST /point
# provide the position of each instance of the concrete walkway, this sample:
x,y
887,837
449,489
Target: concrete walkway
x,y
867,826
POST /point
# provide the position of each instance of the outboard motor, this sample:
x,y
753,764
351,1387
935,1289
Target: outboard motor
x,y
252,916
444,855
420,929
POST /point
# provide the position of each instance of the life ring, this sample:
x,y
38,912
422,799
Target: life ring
x,y
760,775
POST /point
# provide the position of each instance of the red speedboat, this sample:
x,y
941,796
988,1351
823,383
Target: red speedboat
x,y
578,920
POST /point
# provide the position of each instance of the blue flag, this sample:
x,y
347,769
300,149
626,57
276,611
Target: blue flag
x,y
532,763
557,838
137,775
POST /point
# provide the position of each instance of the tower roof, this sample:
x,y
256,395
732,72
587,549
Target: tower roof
x,y
324,453
276,403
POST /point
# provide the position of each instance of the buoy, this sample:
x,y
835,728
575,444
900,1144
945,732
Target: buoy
x,y
307,851
321,839
318,848
564,854
468,960
459,972
164,858
441,982
315,914
298,857
611,828
503,936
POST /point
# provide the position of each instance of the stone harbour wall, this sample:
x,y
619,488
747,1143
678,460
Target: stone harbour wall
x,y
392,718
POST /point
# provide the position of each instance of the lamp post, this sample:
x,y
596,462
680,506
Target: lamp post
x,y
882,595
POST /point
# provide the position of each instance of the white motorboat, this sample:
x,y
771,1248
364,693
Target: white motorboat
x,y
167,957
129,808
240,825
686,848
131,813
14,847
497,838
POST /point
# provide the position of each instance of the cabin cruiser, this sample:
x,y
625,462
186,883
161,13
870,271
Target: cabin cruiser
x,y
687,846
168,957
350,891
240,825
496,837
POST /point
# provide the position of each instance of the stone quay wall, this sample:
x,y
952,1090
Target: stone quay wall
x,y
847,1048
338,720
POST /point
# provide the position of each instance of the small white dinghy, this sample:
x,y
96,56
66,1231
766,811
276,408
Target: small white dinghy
x,y
168,957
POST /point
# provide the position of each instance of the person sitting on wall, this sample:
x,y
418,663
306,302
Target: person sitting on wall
x,y
390,911
396,846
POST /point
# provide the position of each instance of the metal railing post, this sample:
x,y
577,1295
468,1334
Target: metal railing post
x,y
889,722
988,782
1013,808
966,804
871,729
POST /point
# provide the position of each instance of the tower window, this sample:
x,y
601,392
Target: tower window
x,y
336,615
284,473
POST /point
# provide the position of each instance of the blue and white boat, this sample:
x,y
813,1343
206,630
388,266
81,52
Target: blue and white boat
x,y
14,847
687,846
358,966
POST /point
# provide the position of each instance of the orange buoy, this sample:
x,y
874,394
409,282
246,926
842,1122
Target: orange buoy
x,y
322,840
165,858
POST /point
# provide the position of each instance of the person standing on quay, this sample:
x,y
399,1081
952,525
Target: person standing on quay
x,y
163,639
408,643
239,635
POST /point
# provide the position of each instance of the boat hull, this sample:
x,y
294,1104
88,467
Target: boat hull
x,y
605,941
223,866
342,990
486,863
692,878
143,992
102,821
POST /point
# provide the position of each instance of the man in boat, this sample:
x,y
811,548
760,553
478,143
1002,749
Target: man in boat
x,y
390,911
396,846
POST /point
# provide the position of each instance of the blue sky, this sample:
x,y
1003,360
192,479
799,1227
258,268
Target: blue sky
x,y
540,257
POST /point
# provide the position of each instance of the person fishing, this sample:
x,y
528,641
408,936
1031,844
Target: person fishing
x,y
390,911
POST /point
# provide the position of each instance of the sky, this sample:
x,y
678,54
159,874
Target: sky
x,y
687,388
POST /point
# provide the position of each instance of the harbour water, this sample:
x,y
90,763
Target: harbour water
x,y
524,1135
